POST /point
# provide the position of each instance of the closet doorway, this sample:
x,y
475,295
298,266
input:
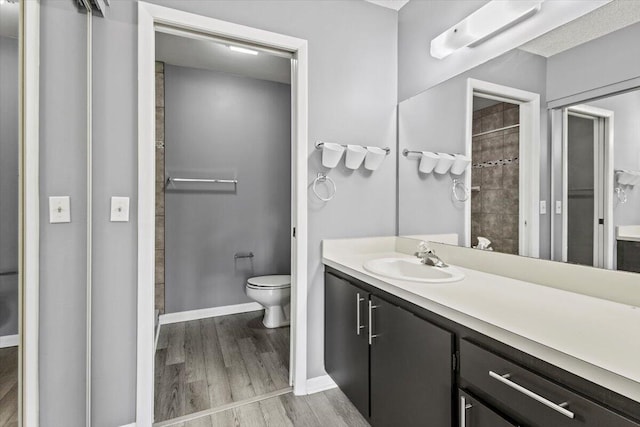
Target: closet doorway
x,y
587,175
217,355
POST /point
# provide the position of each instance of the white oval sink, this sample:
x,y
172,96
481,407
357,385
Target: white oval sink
x,y
413,270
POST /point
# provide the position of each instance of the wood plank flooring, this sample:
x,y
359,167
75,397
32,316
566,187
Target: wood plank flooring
x,y
208,363
327,409
9,387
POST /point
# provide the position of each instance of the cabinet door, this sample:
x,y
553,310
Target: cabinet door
x,y
411,369
472,413
346,349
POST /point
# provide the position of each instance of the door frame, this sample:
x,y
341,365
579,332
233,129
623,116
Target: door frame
x,y
150,16
529,103
607,119
29,205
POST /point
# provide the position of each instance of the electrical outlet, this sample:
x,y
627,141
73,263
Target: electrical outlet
x,y
59,209
543,207
119,209
558,207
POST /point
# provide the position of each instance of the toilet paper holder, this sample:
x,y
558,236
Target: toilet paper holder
x,y
243,255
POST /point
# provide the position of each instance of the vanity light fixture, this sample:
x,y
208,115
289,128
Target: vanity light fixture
x,y
243,50
486,22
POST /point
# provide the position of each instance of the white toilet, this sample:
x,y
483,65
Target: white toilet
x,y
274,294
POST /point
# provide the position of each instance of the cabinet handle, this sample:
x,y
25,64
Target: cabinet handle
x,y
464,407
358,325
371,308
558,407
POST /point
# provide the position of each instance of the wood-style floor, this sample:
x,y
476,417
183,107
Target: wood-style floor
x,y
9,387
327,409
208,363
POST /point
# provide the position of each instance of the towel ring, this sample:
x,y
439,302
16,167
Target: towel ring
x,y
323,178
457,184
621,194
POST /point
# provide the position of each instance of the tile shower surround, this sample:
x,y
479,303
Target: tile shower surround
x,y
159,259
495,208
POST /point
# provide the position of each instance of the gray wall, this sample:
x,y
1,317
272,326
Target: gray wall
x,y
434,120
600,62
352,99
63,246
225,126
9,185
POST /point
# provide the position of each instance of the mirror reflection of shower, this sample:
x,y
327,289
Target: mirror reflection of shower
x,y
495,175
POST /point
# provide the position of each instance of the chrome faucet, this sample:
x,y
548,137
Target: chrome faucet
x,y
428,256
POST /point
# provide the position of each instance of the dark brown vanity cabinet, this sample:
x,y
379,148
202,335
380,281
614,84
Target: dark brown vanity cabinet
x,y
346,345
411,369
384,355
399,369
629,256
526,396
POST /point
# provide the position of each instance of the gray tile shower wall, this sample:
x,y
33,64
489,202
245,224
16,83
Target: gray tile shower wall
x,y
495,200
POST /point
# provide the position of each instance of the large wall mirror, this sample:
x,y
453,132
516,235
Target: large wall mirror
x,y
551,134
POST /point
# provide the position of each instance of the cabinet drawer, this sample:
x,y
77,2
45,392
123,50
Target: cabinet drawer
x,y
472,413
527,397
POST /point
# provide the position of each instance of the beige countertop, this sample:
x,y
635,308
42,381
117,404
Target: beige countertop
x,y
628,232
594,338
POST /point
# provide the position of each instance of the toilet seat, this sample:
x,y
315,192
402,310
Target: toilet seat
x,y
282,281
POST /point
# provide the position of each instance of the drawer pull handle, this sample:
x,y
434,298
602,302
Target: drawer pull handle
x,y
358,301
371,334
555,406
464,407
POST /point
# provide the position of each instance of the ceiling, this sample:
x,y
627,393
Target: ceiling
x,y
9,19
604,20
391,4
211,55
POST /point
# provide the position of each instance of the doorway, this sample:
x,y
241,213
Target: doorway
x,y
499,150
223,221
495,175
152,18
587,171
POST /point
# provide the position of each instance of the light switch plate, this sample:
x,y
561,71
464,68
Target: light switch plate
x,y
59,209
119,209
558,207
543,207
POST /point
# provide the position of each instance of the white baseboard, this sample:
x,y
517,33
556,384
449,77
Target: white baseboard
x,y
318,384
9,341
185,316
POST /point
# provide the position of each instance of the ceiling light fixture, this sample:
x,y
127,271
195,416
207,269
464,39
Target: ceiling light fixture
x,y
486,22
243,50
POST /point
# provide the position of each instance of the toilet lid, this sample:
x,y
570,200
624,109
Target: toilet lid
x,y
272,282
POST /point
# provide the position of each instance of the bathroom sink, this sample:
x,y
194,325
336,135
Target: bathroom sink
x,y
413,270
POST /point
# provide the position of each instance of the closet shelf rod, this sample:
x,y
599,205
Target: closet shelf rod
x,y
217,181
319,145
